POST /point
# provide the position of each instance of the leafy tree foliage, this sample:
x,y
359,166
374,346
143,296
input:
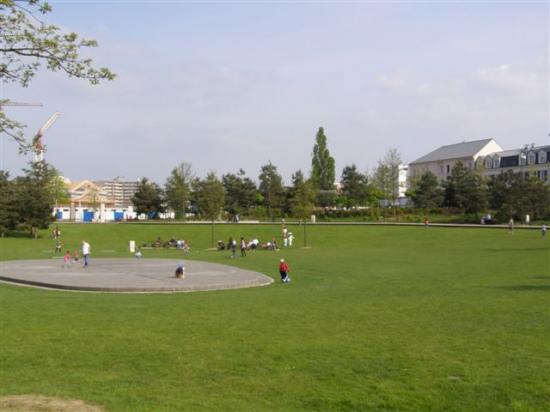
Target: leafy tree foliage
x,y
427,192
35,197
240,192
9,211
322,163
210,196
27,43
148,199
355,186
301,196
271,188
465,189
386,175
177,189
514,196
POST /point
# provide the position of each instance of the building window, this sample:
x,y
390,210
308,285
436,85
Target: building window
x,y
488,162
522,159
544,175
496,162
531,158
448,168
542,157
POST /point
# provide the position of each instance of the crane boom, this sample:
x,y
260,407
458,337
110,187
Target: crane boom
x,y
11,103
37,141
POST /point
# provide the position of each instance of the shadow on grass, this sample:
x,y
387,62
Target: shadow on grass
x,y
540,277
521,288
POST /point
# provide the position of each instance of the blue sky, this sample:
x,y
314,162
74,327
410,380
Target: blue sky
x,y
229,85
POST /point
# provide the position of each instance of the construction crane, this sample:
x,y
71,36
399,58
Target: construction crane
x,y
37,140
10,103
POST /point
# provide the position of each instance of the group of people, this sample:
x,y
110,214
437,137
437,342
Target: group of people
x,y
69,259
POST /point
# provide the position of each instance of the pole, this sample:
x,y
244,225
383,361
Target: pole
x,y
305,234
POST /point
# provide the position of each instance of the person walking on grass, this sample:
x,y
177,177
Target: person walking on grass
x,y
543,230
284,271
511,226
243,247
86,252
67,260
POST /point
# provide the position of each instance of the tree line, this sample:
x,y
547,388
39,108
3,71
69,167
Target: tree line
x,y
236,194
509,194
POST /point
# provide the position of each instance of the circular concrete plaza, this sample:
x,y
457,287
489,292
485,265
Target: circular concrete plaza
x,y
129,275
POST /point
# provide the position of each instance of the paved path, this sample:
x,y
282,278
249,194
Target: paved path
x,y
129,275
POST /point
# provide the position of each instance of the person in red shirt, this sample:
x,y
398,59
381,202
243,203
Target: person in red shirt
x,y
284,270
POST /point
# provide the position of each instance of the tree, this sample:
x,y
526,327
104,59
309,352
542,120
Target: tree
x,y
35,199
148,199
271,188
27,43
322,164
178,188
210,196
240,192
427,193
355,186
9,211
465,189
514,196
386,175
301,196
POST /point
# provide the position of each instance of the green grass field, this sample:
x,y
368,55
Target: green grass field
x,y
376,319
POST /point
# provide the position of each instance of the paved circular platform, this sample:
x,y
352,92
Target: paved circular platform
x,y
129,275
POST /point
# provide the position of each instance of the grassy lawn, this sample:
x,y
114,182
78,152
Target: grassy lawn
x,y
376,319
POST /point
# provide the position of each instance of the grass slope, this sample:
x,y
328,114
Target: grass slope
x,y
377,318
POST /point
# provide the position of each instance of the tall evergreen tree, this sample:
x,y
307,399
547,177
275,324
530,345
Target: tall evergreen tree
x,y
148,199
271,188
323,170
35,198
177,188
465,189
9,210
427,192
302,196
354,186
209,194
240,192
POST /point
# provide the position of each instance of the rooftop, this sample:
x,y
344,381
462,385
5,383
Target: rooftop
x,y
454,151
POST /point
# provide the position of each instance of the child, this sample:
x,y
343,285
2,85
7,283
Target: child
x,y
57,245
67,259
179,271
283,270
75,256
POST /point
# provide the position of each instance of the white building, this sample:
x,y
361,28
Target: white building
x,y
441,161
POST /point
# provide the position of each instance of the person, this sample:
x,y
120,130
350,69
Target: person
x,y
283,271
290,238
221,245
543,229
86,252
511,225
285,235
75,256
57,245
138,253
67,259
426,222
232,243
179,271
243,247
56,233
